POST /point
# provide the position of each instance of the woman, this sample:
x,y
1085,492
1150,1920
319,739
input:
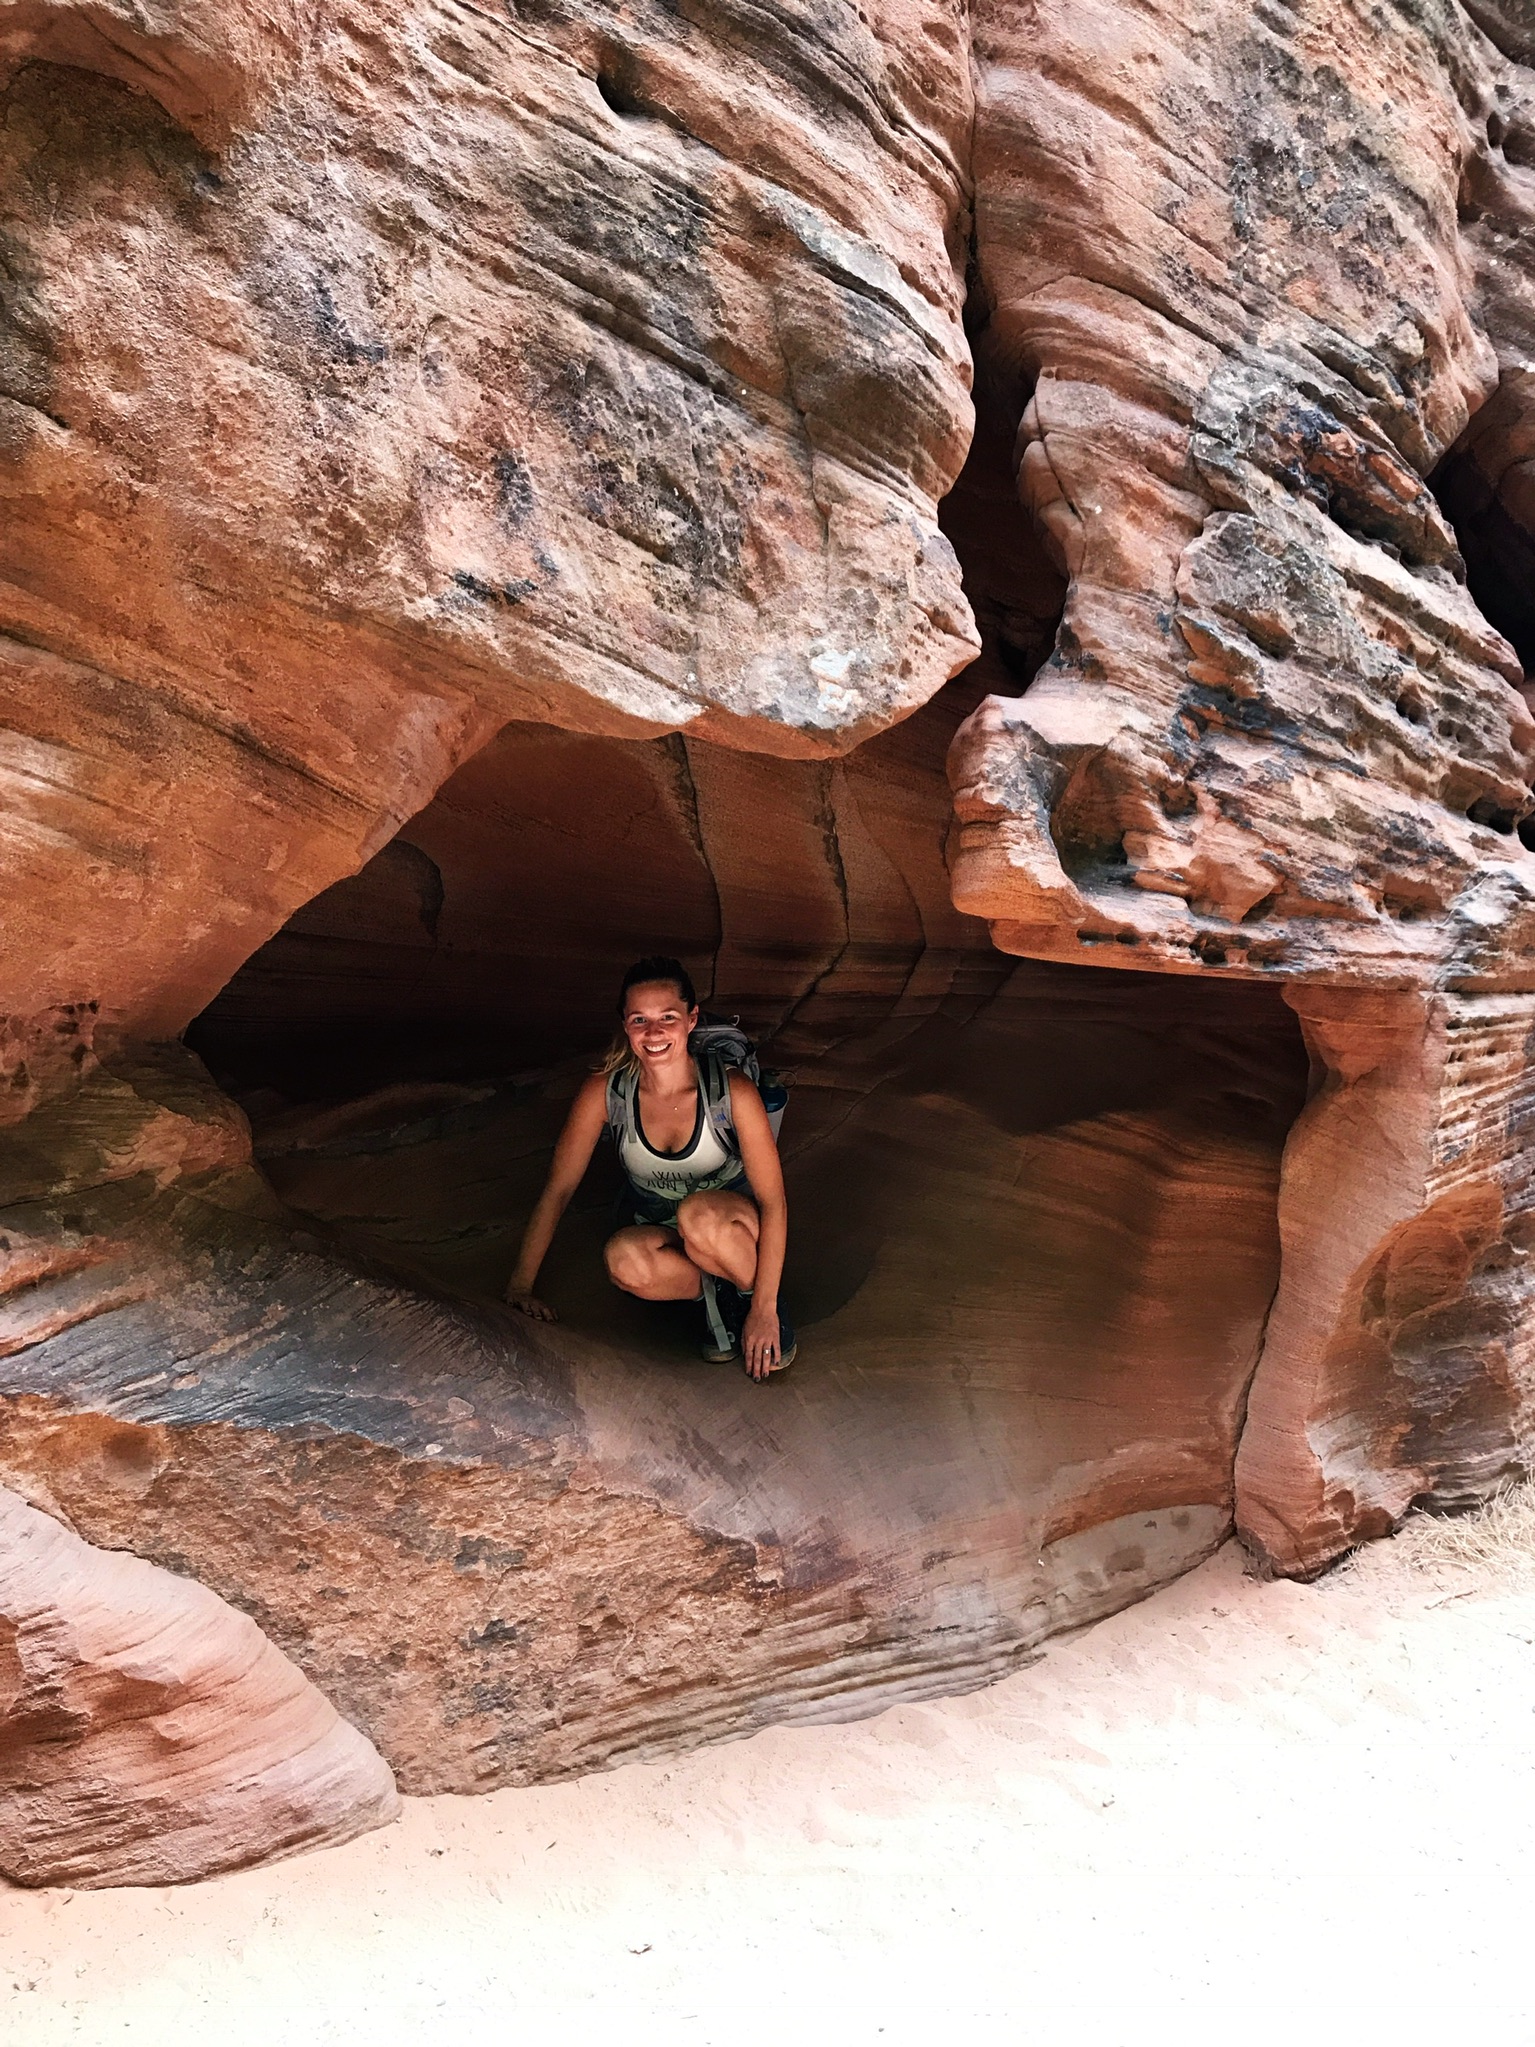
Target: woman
x,y
707,1214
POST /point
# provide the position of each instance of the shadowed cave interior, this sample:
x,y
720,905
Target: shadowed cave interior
x,y
1040,1197
1486,488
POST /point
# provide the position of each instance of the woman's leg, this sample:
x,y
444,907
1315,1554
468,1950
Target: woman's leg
x,y
719,1235
649,1261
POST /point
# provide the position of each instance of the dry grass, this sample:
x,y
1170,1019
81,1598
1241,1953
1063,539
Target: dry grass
x,y
1495,1540
1498,1537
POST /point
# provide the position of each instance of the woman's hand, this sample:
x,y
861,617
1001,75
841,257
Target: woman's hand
x,y
527,1303
759,1340
762,1336
572,1156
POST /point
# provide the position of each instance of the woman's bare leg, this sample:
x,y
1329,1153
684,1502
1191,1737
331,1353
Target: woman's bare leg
x,y
649,1261
719,1235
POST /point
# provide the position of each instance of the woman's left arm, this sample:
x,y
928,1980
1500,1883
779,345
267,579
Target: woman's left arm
x,y
764,1172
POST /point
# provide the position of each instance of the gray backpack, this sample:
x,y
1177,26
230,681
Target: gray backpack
x,y
720,1047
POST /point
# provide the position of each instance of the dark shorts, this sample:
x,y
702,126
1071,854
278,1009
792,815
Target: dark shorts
x,y
635,1206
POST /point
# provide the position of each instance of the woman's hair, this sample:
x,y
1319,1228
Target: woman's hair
x,y
658,967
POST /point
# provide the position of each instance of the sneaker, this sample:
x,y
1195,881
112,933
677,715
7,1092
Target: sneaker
x,y
788,1345
726,1319
724,1316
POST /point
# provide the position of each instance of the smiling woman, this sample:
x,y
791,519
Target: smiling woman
x,y
710,1220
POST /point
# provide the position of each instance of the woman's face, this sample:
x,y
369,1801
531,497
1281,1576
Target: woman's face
x,y
657,1022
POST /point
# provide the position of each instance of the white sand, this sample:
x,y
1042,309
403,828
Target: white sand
x,y
1269,1811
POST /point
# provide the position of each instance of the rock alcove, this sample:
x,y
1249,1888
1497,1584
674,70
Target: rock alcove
x,y
1034,1208
473,495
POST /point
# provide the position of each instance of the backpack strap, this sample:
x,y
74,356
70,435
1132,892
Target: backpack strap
x,y
620,1106
717,1107
715,1068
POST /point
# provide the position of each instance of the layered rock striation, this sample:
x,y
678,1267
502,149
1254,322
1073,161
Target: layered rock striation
x,y
486,496
1243,307
548,366
1254,276
148,1732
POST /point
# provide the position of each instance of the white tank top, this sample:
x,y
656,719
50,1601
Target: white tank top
x,y
702,1165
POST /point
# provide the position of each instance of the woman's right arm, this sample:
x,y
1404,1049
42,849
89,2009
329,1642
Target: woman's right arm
x,y
572,1156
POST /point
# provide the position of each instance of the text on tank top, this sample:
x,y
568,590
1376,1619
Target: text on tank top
x,y
702,1165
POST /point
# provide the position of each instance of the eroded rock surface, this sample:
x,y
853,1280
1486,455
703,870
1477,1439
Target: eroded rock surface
x,y
473,490
1222,256
1397,1363
1259,285
149,1733
598,370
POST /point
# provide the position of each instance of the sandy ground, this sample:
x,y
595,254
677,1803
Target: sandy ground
x,y
1281,1811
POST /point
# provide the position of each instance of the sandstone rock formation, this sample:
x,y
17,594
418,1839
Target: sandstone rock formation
x,y
487,494
1035,1241
1250,304
148,1732
601,372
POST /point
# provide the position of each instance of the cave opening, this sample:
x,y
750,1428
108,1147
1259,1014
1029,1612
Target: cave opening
x,y
1017,592
1485,485
1033,1207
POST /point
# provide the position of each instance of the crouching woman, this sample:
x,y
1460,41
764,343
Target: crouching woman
x,y
705,1186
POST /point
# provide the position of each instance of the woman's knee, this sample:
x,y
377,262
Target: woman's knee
x,y
702,1222
714,1229
631,1264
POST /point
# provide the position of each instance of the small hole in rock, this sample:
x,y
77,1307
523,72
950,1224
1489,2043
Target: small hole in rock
x,y
1486,811
617,96
1481,485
